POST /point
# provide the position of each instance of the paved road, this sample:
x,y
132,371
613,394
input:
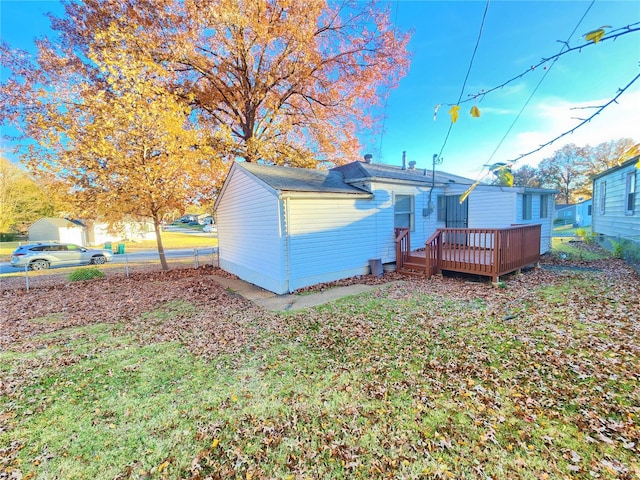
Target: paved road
x,y
139,256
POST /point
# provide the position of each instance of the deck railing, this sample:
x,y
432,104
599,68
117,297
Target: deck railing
x,y
482,251
403,246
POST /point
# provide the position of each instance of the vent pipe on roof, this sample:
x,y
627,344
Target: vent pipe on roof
x,y
368,158
404,160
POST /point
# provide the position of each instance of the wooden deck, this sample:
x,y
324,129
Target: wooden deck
x,y
486,252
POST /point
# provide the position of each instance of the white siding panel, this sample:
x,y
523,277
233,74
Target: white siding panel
x,y
492,208
615,222
330,238
546,224
249,232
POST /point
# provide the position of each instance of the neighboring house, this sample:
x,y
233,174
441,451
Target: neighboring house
x,y
584,213
134,230
205,219
616,204
57,230
286,228
565,214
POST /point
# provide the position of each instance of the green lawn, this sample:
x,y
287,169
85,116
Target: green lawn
x,y
421,379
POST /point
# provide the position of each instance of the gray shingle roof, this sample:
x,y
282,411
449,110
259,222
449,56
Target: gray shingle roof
x,y
358,171
291,179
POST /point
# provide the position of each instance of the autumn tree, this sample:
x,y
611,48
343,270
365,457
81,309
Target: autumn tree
x,y
22,200
563,171
598,159
106,130
283,81
526,176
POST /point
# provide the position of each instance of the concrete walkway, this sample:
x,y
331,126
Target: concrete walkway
x,y
290,302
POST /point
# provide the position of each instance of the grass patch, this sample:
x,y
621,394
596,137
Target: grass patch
x,y
568,249
174,240
6,249
399,382
87,273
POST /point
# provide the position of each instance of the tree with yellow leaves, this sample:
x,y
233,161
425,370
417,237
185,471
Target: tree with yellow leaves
x,y
113,139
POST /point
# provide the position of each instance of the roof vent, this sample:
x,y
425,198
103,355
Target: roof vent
x,y
412,165
368,158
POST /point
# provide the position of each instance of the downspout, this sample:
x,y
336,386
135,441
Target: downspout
x,y
287,236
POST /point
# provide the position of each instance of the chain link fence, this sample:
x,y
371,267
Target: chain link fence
x,y
126,264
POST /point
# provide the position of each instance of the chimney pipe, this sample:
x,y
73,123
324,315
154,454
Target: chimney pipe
x,y
368,158
404,160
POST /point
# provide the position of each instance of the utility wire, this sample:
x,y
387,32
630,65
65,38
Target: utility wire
x,y
464,84
586,120
515,120
614,34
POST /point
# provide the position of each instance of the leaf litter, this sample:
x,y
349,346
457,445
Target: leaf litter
x,y
447,378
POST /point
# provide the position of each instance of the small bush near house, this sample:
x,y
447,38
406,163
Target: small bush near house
x,y
85,274
586,236
626,250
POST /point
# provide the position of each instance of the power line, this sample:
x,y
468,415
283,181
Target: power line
x,y
584,121
526,103
464,84
634,27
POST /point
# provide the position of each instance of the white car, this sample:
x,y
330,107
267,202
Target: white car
x,y
40,256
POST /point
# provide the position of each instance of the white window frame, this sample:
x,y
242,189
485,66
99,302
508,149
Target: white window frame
x,y
603,197
630,193
410,212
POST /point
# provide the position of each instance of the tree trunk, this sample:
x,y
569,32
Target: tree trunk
x,y
158,226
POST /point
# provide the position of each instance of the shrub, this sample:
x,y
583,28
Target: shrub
x,y
586,236
85,274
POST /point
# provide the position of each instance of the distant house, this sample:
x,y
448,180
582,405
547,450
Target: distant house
x,y
564,214
616,203
62,230
135,230
87,233
286,228
584,213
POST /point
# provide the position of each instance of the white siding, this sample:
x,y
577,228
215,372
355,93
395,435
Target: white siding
x,y
250,239
546,223
44,230
615,222
330,238
583,218
501,207
491,208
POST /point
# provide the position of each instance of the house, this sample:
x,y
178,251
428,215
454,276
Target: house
x,y
287,228
564,214
616,204
584,213
99,232
578,214
49,229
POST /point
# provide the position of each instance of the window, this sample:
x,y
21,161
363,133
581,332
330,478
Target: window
x,y
442,208
526,207
630,193
603,196
544,206
403,211
589,208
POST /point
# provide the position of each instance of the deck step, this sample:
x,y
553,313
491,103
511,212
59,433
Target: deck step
x,y
415,265
416,273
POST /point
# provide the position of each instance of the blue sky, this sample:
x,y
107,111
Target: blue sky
x,y
516,35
